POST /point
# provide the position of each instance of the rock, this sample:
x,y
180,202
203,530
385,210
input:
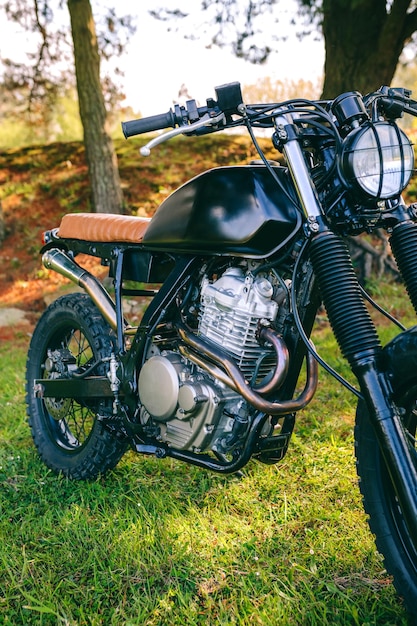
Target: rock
x,y
11,316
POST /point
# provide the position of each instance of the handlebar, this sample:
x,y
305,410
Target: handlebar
x,y
220,114
149,124
393,102
229,98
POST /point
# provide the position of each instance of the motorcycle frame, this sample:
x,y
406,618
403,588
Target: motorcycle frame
x,y
160,310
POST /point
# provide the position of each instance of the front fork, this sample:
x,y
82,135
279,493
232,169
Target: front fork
x,y
349,317
357,337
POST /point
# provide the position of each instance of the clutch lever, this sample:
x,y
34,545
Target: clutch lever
x,y
182,130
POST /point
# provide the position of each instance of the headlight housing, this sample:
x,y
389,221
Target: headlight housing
x,y
377,161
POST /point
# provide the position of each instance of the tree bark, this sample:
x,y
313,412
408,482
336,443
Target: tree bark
x,y
2,225
101,157
363,41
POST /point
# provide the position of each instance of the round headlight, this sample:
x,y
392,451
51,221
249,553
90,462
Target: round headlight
x,y
377,160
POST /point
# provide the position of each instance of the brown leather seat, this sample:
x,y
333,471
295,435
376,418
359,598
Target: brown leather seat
x,y
103,227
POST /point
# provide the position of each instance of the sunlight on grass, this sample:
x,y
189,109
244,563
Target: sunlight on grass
x,y
158,542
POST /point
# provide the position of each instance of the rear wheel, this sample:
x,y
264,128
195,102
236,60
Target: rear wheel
x,y
386,521
69,436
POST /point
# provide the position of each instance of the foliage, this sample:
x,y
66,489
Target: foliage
x,y
62,123
40,183
267,90
34,88
250,29
363,40
406,76
64,120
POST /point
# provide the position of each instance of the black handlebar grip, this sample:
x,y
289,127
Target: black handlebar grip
x,y
149,124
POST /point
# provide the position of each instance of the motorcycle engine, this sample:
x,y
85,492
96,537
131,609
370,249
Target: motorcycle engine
x,y
184,406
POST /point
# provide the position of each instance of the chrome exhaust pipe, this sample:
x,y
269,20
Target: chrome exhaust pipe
x,y
55,259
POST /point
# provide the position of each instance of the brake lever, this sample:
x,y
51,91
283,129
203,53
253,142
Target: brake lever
x,y
182,130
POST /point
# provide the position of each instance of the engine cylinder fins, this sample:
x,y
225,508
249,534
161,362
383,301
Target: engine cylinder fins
x,y
352,325
230,311
404,248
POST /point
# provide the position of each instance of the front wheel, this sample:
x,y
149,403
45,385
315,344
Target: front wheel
x,y
386,521
67,432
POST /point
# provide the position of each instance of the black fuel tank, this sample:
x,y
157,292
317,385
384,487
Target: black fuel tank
x,y
238,210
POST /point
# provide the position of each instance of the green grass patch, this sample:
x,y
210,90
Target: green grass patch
x,y
159,542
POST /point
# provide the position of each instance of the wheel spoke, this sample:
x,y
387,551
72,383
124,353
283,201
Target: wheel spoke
x,y
71,421
78,423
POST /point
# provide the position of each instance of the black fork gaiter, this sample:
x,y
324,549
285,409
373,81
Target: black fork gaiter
x,y
348,316
404,248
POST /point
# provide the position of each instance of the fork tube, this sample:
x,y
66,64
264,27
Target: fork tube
x,y
286,134
359,343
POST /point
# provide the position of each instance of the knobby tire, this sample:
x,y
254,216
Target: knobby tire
x,y
68,433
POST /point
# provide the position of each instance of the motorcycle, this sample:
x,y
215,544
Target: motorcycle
x,y
235,265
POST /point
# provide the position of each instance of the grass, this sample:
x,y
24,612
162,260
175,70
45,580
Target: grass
x,y
159,542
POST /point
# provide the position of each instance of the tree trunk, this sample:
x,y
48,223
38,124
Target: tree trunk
x,y
363,43
101,157
2,225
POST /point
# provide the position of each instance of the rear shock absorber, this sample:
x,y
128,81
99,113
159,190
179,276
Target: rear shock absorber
x,y
352,325
404,248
